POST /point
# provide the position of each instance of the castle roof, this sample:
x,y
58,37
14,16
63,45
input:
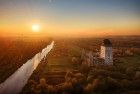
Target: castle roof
x,y
107,43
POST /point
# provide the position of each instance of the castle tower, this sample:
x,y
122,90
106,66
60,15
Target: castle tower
x,y
106,52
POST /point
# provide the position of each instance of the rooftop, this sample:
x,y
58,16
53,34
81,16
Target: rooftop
x,y
107,43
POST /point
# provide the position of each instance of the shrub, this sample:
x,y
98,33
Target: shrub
x,y
80,78
42,87
50,89
117,75
113,84
68,76
137,75
125,83
88,89
135,85
130,72
84,68
68,87
99,85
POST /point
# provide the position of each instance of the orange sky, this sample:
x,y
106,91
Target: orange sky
x,y
84,18
71,30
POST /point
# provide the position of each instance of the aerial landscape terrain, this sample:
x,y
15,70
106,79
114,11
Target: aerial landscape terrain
x,y
69,47
63,69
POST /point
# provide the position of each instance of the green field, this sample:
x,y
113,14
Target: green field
x,y
130,61
59,64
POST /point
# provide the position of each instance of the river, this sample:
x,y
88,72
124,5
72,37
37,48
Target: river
x,y
15,83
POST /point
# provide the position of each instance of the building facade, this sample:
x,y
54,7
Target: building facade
x,y
106,52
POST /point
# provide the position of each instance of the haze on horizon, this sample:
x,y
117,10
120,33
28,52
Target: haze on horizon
x,y
70,17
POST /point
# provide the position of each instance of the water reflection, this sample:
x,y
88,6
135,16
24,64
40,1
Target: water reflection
x,y
15,83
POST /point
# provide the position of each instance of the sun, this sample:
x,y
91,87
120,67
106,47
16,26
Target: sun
x,y
35,27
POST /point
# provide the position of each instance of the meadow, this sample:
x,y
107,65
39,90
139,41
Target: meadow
x,y
61,71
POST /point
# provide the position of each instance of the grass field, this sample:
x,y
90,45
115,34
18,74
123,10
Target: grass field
x,y
59,64
130,61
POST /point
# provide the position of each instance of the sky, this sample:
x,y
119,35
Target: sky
x,y
70,17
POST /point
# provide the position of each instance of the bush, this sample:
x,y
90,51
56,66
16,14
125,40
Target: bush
x,y
99,85
117,75
125,83
42,87
135,85
130,72
68,76
113,84
88,89
84,68
137,75
50,89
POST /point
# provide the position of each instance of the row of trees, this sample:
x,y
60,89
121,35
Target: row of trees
x,y
14,53
100,80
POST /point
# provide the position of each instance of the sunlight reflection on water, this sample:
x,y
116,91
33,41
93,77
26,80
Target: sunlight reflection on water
x,y
15,83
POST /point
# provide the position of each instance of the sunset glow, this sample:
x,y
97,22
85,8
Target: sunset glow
x,y
58,18
35,27
69,46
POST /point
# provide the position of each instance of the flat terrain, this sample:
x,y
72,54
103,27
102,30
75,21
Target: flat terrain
x,y
59,60
14,52
130,61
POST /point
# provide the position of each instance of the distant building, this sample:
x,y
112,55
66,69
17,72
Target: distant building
x,y
106,52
